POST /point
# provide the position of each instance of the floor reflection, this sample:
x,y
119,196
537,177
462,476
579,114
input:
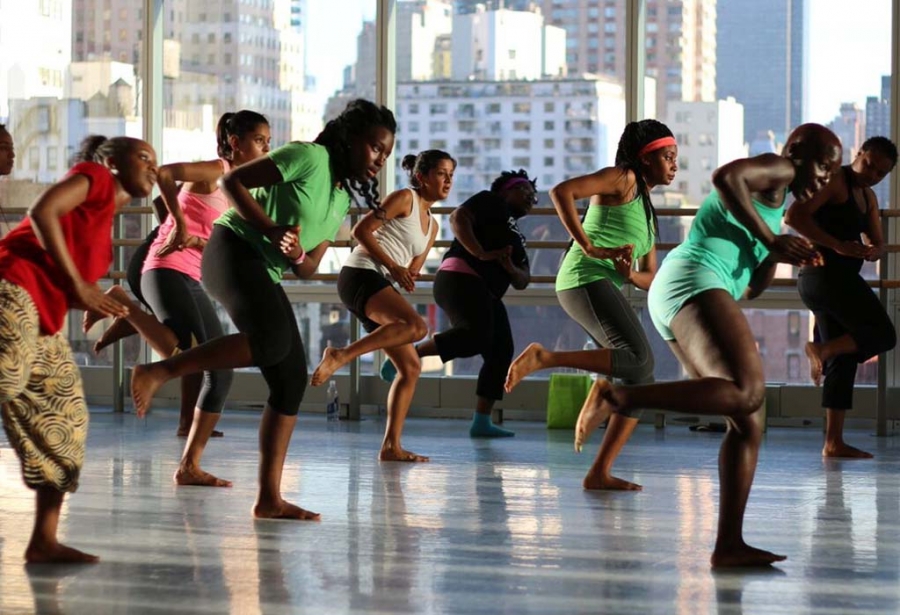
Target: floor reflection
x,y
486,527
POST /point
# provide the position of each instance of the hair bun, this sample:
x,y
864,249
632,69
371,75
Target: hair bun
x,y
409,162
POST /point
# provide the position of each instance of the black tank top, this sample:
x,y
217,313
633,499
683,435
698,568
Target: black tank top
x,y
845,221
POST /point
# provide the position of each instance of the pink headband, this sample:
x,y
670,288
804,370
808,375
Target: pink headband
x,y
657,144
515,181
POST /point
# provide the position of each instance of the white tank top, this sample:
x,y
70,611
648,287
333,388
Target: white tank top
x,y
401,238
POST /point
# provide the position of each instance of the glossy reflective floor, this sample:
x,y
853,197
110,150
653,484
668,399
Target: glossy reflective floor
x,y
486,527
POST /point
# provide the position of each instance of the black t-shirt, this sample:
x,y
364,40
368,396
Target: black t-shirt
x,y
495,228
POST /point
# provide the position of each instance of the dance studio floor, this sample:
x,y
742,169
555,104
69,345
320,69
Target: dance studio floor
x,y
486,527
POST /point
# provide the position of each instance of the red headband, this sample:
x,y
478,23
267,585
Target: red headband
x,y
657,144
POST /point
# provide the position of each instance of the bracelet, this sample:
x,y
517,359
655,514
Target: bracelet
x,y
300,258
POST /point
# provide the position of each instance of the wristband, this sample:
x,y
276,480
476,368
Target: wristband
x,y
300,258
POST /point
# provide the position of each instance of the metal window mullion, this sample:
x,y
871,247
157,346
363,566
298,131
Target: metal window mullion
x,y
635,55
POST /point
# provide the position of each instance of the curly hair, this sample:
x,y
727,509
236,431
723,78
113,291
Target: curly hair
x,y
505,176
882,145
358,118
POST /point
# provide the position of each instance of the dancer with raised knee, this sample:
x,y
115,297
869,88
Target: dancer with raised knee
x,y
49,263
170,277
853,324
394,241
730,253
302,193
618,229
487,256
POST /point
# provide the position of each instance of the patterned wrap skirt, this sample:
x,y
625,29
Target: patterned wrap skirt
x,y
41,397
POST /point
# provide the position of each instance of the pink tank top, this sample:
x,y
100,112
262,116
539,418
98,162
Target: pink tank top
x,y
200,211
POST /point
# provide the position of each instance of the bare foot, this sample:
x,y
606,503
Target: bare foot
x,y
183,433
531,360
90,319
593,415
119,329
283,510
600,482
815,362
743,556
331,361
844,451
145,381
195,476
398,454
57,553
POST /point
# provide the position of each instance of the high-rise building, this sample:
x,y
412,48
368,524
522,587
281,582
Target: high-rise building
x,y
763,54
709,134
680,43
555,128
230,57
878,123
41,71
850,127
420,24
506,45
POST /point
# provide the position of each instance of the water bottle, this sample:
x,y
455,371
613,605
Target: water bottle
x,y
332,412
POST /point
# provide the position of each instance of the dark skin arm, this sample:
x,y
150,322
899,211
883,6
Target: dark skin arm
x,y
519,275
873,227
761,279
461,221
610,187
236,185
800,217
310,264
764,178
57,201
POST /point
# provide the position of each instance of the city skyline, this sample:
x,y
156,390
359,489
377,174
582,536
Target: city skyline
x,y
841,43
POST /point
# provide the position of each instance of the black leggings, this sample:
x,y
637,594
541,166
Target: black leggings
x,y
178,301
136,265
236,275
843,303
480,326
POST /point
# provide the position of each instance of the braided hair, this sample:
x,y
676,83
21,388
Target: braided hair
x,y
237,124
635,136
359,117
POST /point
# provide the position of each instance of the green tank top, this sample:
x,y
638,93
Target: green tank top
x,y
722,244
607,227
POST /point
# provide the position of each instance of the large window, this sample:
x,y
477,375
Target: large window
x,y
541,85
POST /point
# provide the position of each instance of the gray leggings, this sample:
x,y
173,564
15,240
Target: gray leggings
x,y
603,312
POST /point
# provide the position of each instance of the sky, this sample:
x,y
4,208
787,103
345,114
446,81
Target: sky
x,y
849,49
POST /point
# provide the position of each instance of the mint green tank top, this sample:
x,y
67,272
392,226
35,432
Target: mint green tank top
x,y
722,244
608,227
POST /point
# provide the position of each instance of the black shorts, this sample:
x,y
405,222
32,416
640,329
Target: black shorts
x,y
355,287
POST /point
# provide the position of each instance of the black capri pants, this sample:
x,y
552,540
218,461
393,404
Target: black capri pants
x,y
480,326
843,303
179,302
235,274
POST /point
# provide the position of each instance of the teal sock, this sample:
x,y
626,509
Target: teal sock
x,y
482,427
388,372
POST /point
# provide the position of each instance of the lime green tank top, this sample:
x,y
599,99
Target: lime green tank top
x,y
722,244
607,227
